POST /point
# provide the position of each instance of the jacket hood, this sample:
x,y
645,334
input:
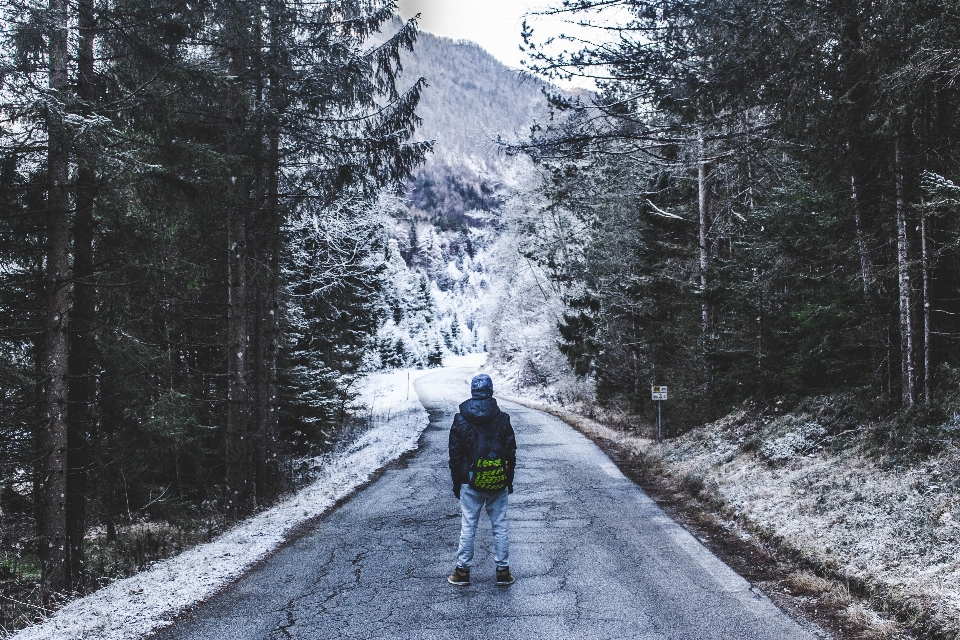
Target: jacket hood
x,y
480,410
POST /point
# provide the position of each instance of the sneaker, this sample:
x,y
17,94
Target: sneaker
x,y
504,577
460,577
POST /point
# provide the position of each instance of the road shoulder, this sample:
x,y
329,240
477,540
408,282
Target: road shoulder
x,y
814,600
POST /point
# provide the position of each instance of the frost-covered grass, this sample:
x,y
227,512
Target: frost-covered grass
x,y
887,527
139,605
892,530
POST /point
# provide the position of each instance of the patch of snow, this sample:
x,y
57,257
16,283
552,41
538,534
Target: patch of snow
x,y
883,526
142,604
792,444
453,272
472,360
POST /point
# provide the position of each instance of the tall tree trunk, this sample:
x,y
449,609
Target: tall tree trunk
x,y
704,229
267,333
889,361
866,264
52,533
237,399
704,258
269,475
260,232
80,384
927,321
265,384
907,372
272,474
238,411
82,318
867,273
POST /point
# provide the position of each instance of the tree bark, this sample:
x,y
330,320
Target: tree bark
x,y
267,334
867,272
866,264
927,320
82,317
907,372
52,533
889,361
266,384
238,410
703,203
269,474
262,236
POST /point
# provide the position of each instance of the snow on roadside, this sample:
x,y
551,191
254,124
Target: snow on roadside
x,y
471,360
136,606
889,528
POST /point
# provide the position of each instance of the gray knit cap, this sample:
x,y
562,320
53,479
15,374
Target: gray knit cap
x,y
481,386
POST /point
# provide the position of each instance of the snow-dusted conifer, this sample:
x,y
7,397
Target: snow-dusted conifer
x,y
333,267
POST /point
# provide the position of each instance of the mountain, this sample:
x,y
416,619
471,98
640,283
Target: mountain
x,y
442,230
472,96
472,99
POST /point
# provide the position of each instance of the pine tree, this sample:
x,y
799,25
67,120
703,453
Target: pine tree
x,y
333,273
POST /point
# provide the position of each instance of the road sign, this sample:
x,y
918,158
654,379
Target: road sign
x,y
659,394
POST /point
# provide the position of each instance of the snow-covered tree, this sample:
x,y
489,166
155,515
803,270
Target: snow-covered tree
x,y
333,269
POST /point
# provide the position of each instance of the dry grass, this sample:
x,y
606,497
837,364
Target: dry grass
x,y
876,627
891,531
806,583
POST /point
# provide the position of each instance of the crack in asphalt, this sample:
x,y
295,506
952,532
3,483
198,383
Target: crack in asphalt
x,y
291,620
357,568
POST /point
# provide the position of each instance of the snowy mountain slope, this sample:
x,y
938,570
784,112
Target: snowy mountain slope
x,y
444,230
472,101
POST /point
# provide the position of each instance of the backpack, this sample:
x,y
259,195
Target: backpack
x,y
488,467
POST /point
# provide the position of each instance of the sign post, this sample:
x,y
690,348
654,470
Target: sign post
x,y
659,394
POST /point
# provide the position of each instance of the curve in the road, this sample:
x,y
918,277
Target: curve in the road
x,y
594,557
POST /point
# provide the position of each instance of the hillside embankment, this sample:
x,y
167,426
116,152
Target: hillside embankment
x,y
863,539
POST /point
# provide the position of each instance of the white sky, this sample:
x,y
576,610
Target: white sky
x,y
493,24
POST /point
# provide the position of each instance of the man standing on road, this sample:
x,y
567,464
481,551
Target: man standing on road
x,y
483,456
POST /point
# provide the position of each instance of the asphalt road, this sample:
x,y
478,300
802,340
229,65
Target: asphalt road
x,y
594,557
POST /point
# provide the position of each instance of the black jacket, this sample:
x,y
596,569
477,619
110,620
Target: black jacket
x,y
479,413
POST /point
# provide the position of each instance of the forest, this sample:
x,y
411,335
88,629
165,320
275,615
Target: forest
x,y
758,204
757,208
191,260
